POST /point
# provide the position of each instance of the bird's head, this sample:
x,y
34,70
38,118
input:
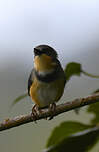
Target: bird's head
x,y
44,58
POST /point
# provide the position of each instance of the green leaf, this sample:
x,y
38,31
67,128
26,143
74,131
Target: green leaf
x,y
73,68
94,108
80,142
19,98
64,130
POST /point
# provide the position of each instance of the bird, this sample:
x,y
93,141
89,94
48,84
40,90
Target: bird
x,y
47,79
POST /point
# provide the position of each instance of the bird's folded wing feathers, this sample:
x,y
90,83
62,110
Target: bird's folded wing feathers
x,y
30,80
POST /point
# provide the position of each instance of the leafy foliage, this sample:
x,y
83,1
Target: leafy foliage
x,y
65,129
79,142
94,108
73,68
19,98
74,136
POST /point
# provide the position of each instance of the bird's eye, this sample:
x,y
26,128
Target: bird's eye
x,y
47,52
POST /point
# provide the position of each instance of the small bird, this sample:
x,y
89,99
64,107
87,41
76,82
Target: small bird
x,y
47,79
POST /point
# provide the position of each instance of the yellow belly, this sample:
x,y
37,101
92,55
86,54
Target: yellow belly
x,y
43,94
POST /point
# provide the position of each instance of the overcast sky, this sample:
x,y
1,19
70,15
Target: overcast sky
x,y
67,25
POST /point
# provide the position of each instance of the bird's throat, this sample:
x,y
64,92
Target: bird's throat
x,y
43,64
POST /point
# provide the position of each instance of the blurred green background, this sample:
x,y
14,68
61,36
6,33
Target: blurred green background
x,y
71,27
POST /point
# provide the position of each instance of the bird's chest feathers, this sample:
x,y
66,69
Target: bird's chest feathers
x,y
43,94
47,93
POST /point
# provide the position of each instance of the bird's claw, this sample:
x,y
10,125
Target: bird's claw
x,y
52,108
35,112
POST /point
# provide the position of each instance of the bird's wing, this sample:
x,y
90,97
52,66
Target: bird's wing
x,y
30,80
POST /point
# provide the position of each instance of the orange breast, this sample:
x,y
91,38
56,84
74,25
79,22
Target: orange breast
x,y
33,92
43,63
43,94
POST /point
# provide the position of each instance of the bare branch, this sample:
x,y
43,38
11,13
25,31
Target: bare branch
x,y
71,105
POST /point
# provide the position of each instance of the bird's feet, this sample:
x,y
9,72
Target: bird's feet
x,y
52,108
35,112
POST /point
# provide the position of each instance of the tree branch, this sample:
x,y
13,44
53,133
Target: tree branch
x,y
71,105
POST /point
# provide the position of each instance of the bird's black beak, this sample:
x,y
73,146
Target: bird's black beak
x,y
37,52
